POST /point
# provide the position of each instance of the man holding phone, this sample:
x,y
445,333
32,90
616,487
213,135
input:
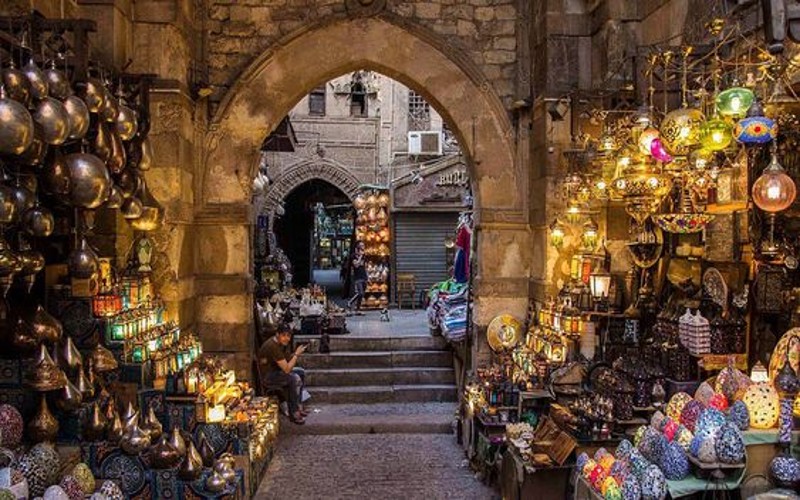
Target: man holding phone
x,y
279,364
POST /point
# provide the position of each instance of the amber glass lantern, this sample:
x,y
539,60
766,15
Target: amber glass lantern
x,y
715,134
774,191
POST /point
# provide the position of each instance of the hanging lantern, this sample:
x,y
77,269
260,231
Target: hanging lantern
x,y
715,134
680,130
759,373
646,139
763,403
606,144
556,234
659,152
774,191
590,235
735,101
756,128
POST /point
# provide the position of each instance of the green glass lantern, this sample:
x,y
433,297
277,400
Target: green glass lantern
x,y
680,130
735,101
138,354
715,134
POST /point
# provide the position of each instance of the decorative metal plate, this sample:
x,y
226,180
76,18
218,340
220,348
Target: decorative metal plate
x,y
504,332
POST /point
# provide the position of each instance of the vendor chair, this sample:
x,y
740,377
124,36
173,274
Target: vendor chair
x,y
406,287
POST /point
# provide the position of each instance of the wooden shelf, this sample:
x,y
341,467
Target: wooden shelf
x,y
727,208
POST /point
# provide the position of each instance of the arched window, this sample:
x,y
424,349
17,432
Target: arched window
x,y
316,101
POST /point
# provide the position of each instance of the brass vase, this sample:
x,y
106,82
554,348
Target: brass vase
x,y
177,441
45,375
163,455
192,464
36,80
206,451
95,427
43,426
134,440
152,425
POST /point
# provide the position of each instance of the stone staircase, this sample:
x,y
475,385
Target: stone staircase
x,y
381,369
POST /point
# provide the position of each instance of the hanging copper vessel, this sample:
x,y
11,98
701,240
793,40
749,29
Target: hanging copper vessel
x,y
152,425
110,108
115,198
117,160
23,200
69,398
83,384
45,375
128,182
36,152
8,208
43,427
103,359
95,427
89,180
57,82
38,221
134,440
115,429
131,208
16,126
16,84
94,94
52,116
163,455
69,357
146,161
32,263
176,440
55,175
44,325
36,80
101,145
78,117
152,213
206,451
192,464
126,124
83,262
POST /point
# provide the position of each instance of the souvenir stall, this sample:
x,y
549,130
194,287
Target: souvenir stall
x,y
372,229
91,360
667,352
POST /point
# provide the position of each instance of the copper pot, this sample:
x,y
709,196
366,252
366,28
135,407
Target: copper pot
x,y
52,116
57,82
83,262
163,455
43,426
192,464
206,451
134,440
8,208
103,359
152,425
126,124
95,427
16,126
55,175
45,327
117,160
93,93
110,108
89,180
36,152
45,375
16,84
132,208
36,79
78,117
177,441
69,398
216,483
115,198
38,221
69,356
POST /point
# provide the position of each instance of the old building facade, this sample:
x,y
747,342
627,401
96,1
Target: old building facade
x,y
230,70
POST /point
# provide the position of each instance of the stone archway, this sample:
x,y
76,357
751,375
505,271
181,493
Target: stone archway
x,y
304,171
275,82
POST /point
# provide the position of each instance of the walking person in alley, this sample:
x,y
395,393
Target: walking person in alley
x,y
359,272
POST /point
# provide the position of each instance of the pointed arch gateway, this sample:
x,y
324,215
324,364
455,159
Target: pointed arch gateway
x,y
307,170
272,86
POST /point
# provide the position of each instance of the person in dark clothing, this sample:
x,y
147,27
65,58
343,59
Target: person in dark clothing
x,y
279,365
359,268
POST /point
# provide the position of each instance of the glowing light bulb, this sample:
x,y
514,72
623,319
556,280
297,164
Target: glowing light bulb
x,y
736,104
773,191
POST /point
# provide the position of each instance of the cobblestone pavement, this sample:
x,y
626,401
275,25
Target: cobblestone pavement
x,y
371,466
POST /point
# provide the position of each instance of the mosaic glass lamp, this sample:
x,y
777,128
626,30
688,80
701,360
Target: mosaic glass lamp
x,y
680,130
735,101
715,134
756,128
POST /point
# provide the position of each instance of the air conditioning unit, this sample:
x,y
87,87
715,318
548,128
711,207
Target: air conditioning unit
x,y
428,142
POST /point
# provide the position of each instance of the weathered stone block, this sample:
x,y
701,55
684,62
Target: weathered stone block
x,y
428,10
500,56
484,13
225,309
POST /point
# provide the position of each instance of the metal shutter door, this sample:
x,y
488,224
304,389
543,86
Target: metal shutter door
x,y
419,245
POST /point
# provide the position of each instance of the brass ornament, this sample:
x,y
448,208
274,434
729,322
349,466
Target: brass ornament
x,y
16,84
134,440
504,332
206,451
102,143
216,483
131,208
69,398
83,384
23,200
163,455
16,126
115,429
36,80
57,82
69,356
177,441
24,339
55,175
83,262
43,427
45,375
126,124
94,95
117,160
31,262
38,221
78,115
95,427
103,359
44,325
152,212
90,182
36,152
52,117
8,208
130,416
192,464
110,108
152,425
115,198
146,161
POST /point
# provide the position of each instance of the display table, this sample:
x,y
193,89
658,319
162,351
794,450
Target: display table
x,y
519,480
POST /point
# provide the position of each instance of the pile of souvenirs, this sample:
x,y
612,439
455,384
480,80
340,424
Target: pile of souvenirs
x,y
447,310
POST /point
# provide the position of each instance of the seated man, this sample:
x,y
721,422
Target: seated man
x,y
278,368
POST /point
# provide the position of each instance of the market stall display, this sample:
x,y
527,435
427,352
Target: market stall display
x,y
372,228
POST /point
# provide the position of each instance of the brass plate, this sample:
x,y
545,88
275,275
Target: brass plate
x,y
504,332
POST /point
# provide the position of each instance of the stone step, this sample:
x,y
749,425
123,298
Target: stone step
x,y
383,394
379,376
378,359
373,343
376,418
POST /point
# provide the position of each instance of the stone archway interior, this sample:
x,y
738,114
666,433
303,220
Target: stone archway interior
x,y
308,170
